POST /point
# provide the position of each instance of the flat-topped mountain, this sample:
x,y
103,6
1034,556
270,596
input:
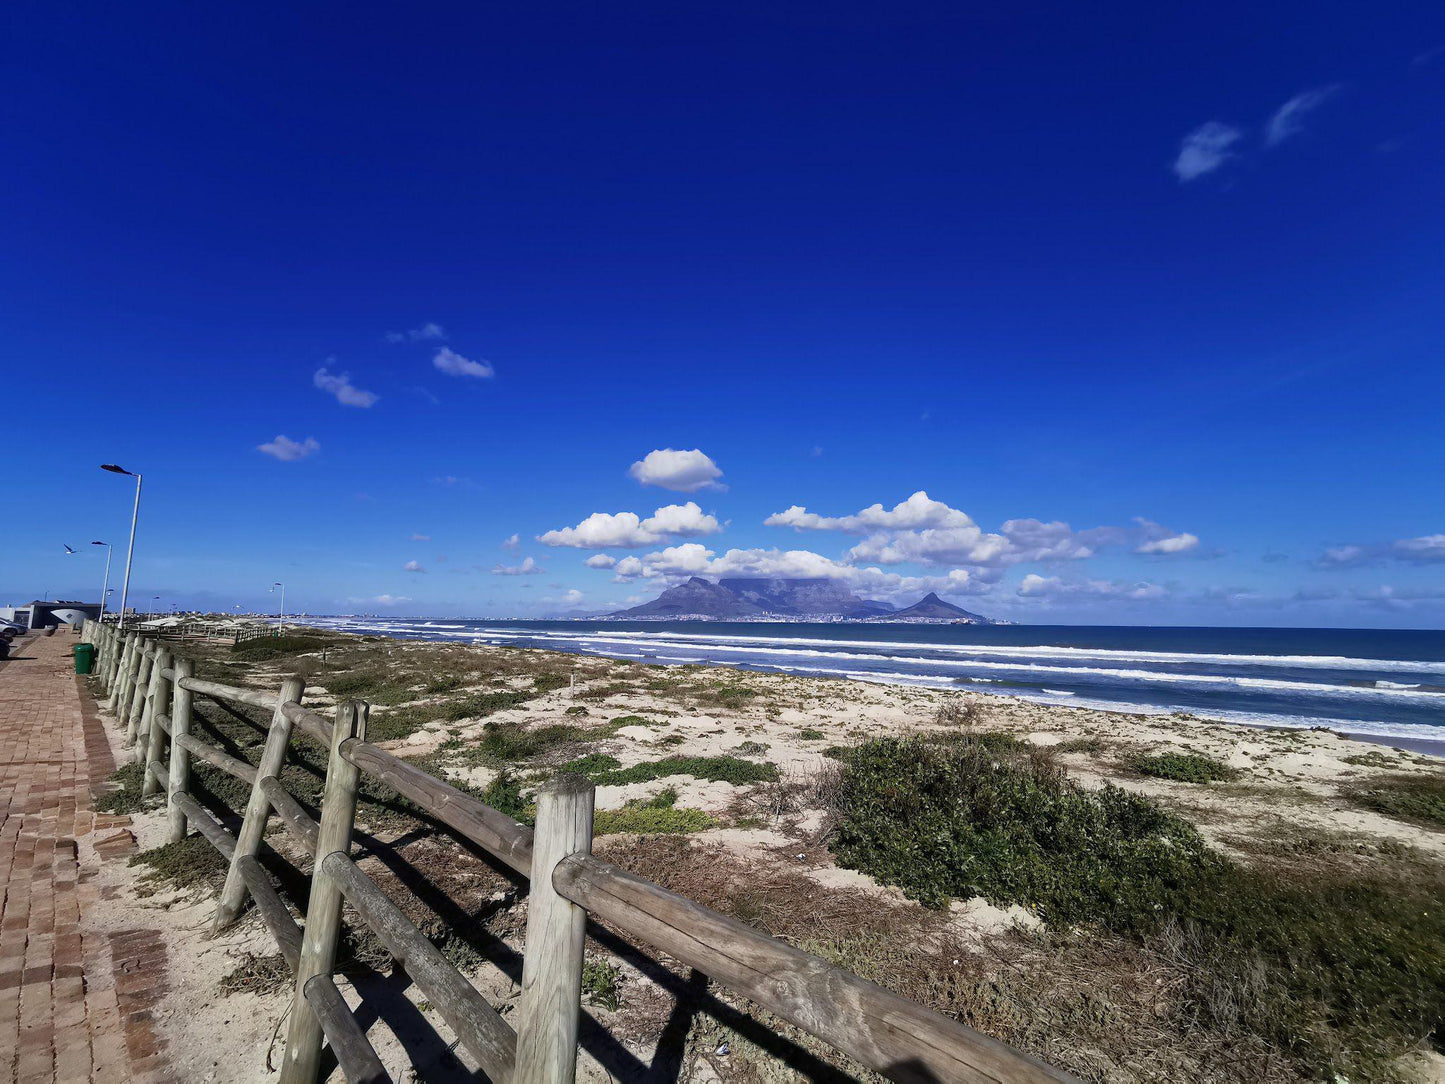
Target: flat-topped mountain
x,y
818,599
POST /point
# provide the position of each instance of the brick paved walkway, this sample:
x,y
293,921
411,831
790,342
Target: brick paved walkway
x,y
74,999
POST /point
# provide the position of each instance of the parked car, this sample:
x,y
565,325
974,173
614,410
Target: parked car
x,y
14,626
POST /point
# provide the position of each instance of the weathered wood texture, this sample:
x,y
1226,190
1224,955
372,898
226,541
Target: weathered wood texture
x,y
556,938
211,755
483,825
206,824
157,703
254,697
484,1034
354,1053
889,1034
273,912
258,806
180,768
323,909
291,812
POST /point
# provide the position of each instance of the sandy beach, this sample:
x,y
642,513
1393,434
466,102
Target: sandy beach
x,y
720,782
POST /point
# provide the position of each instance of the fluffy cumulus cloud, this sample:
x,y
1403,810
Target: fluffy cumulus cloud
x,y
918,511
921,530
511,542
1045,587
428,332
626,530
384,600
600,560
1205,149
340,385
1288,119
450,362
528,567
677,563
421,538
681,471
412,566
288,450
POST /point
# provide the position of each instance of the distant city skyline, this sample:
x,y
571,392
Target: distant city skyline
x,y
494,312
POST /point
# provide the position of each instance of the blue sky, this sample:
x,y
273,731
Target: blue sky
x,y
1147,302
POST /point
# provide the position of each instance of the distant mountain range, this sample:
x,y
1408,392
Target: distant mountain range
x,y
799,600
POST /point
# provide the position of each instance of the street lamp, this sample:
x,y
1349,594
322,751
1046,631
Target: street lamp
x,y
281,617
130,551
105,584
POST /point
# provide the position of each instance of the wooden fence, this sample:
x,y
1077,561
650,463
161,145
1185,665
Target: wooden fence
x,y
151,691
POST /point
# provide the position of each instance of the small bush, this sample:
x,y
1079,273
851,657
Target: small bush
x,y
546,683
504,794
1420,799
1184,768
809,733
946,821
1080,745
600,983
576,709
658,814
723,769
956,712
592,764
260,975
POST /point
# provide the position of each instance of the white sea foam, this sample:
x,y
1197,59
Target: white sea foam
x,y
1319,662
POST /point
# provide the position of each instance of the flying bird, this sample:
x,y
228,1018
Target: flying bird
x,y
67,548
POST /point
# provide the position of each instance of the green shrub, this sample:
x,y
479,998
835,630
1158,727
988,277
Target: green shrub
x,y
809,733
723,769
956,820
576,709
191,864
546,683
504,794
656,815
592,764
1340,972
1416,798
600,981
1184,767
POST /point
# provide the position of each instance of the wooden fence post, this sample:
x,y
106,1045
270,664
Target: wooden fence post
x,y
145,659
180,777
122,663
258,806
108,670
551,1004
159,658
323,908
152,735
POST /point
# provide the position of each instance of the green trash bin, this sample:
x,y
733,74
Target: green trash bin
x,y
84,658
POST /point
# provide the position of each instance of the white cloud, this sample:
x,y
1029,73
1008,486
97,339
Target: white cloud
x,y
453,364
412,566
1425,549
528,567
387,600
1205,149
1288,119
1169,544
628,569
682,471
925,531
916,512
420,538
512,543
428,332
340,385
600,560
1036,586
288,450
625,530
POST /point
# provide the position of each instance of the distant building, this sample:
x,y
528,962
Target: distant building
x,y
44,615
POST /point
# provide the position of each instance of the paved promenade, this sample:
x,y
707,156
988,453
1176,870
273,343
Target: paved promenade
x,y
75,997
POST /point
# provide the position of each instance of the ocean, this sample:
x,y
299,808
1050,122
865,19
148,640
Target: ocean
x,y
1372,683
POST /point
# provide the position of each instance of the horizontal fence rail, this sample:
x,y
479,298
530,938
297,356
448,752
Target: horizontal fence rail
x,y
151,694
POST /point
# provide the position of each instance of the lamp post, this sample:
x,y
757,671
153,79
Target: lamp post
x,y
130,550
281,617
105,584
